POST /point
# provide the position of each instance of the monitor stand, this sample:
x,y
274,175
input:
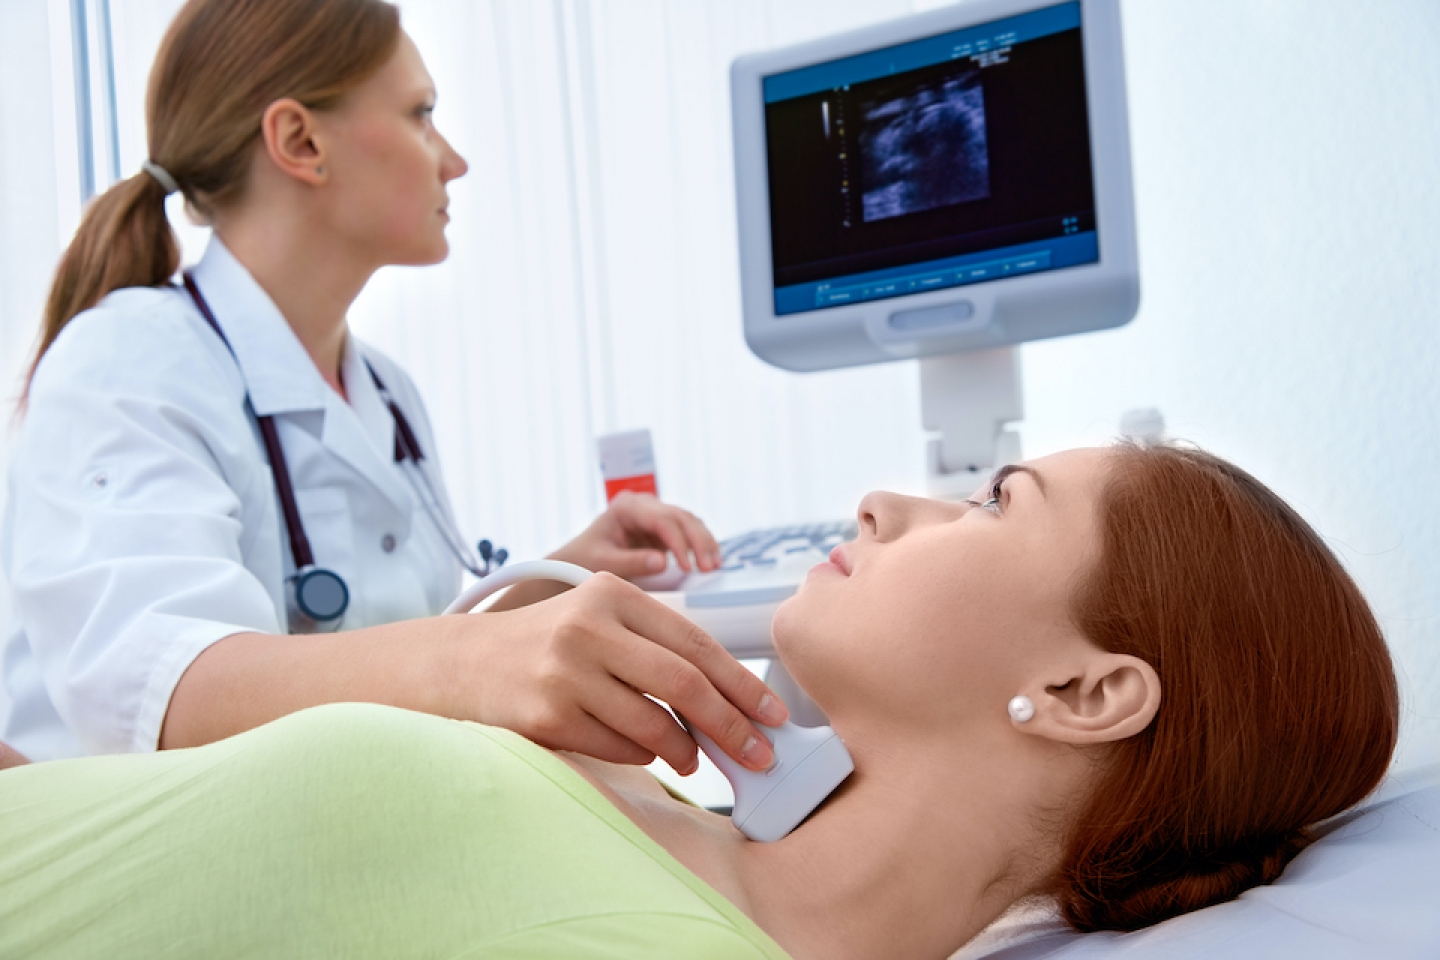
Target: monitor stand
x,y
969,399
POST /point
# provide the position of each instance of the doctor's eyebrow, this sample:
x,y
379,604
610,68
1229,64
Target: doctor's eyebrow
x,y
1010,469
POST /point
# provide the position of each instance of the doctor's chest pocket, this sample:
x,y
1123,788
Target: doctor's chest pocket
x,y
330,528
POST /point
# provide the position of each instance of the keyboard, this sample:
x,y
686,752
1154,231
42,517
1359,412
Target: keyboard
x,y
759,571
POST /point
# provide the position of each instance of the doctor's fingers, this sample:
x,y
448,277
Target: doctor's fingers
x,y
701,540
646,728
661,653
583,690
685,667
680,531
579,731
673,680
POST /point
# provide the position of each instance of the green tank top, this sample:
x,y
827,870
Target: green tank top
x,y
350,830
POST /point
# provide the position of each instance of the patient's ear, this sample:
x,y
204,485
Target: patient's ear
x,y
1100,698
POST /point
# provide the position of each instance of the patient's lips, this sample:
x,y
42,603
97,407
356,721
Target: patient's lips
x,y
837,563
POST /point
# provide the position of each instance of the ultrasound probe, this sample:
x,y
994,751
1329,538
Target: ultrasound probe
x,y
810,762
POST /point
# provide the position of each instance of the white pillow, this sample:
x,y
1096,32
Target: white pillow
x,y
1369,887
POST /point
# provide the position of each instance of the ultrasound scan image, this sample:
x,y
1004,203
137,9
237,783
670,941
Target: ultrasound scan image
x,y
924,148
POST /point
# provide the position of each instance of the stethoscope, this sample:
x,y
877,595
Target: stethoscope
x,y
319,594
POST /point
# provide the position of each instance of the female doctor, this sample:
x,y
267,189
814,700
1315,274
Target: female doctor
x,y
193,456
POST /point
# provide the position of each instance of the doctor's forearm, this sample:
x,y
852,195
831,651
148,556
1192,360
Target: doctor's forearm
x,y
573,673
248,679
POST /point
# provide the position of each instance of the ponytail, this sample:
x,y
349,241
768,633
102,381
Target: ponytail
x,y
221,64
124,240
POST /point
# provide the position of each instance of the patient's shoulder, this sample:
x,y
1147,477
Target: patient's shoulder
x,y
616,780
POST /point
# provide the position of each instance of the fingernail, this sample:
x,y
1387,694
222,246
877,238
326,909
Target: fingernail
x,y
715,559
771,711
656,562
757,754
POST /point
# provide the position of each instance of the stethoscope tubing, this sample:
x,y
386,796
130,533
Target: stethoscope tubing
x,y
299,543
407,447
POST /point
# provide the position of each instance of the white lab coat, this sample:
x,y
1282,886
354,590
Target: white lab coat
x,y
143,524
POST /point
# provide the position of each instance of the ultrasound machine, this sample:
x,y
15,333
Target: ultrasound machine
x,y
936,189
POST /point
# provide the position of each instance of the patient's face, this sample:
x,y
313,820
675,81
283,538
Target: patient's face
x,y
940,610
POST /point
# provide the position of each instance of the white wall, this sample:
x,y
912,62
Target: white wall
x,y
1289,210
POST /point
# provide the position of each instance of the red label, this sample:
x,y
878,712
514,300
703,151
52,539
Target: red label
x,y
645,483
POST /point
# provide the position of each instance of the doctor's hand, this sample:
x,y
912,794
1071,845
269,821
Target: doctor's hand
x,y
10,757
572,673
630,539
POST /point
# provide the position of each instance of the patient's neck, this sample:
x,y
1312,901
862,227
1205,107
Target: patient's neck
x,y
917,852
922,848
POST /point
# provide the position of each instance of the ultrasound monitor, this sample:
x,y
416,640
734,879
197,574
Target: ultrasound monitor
x,y
939,187
952,181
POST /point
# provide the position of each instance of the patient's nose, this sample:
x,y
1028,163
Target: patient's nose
x,y
885,516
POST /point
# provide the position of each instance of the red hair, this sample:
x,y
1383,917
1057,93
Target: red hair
x,y
1279,700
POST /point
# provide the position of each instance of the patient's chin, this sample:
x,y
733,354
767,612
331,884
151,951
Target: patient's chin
x,y
792,633
788,622
801,667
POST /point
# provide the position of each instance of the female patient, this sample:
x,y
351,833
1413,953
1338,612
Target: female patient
x,y
1127,679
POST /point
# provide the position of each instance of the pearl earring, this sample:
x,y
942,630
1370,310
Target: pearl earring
x,y
1021,709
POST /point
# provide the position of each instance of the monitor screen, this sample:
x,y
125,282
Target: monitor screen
x,y
950,160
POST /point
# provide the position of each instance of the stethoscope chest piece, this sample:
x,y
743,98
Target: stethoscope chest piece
x,y
320,594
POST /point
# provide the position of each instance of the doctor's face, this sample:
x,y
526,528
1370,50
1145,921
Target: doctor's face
x,y
937,611
388,165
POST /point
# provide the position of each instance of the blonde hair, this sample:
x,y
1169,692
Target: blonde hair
x,y
221,64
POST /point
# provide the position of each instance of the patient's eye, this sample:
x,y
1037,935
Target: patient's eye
x,y
993,503
997,493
